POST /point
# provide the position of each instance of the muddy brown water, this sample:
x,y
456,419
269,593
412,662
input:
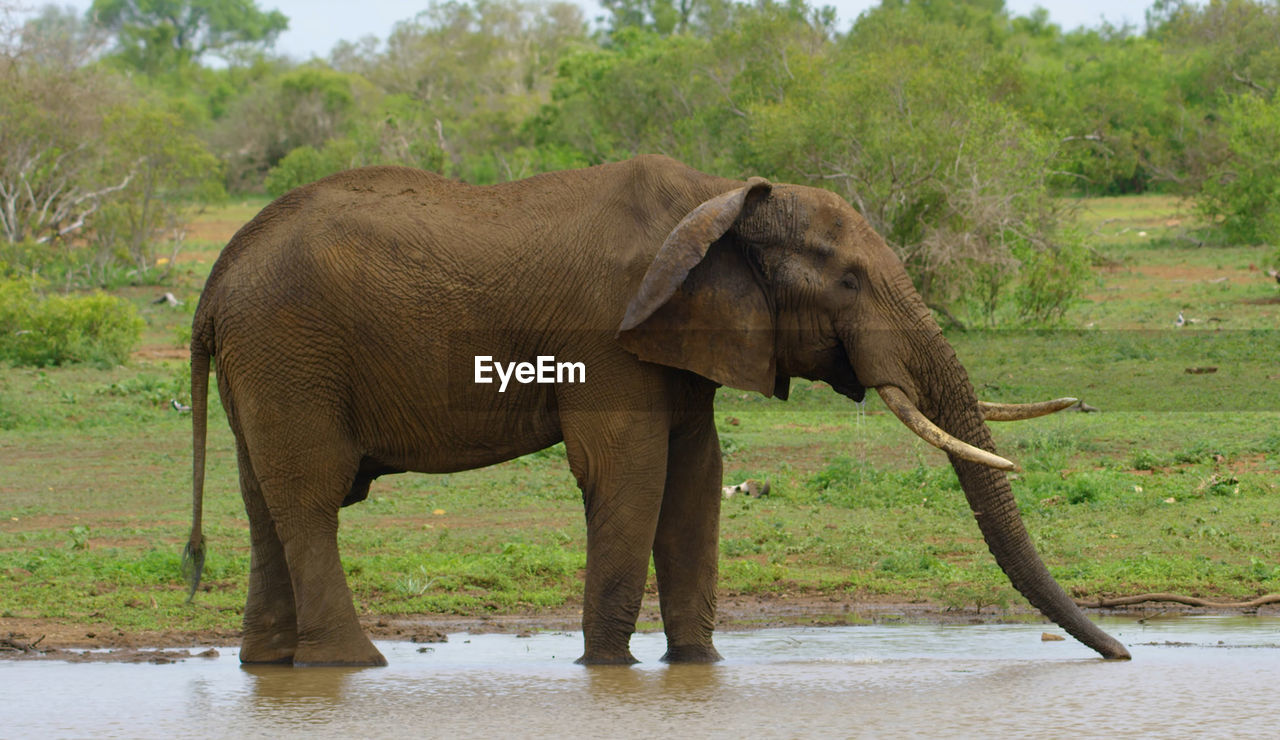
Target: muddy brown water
x,y
1190,677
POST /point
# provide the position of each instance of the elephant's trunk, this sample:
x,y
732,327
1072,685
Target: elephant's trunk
x,y
948,397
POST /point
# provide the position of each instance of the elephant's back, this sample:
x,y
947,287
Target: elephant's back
x,y
368,250
556,252
342,202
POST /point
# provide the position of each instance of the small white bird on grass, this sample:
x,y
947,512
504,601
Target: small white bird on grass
x,y
1179,321
750,487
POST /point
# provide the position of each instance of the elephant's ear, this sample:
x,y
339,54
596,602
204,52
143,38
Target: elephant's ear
x,y
700,306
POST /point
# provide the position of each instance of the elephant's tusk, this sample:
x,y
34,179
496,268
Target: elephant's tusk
x,y
1020,411
910,416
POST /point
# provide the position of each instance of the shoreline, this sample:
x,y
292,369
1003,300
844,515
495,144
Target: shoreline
x,y
73,641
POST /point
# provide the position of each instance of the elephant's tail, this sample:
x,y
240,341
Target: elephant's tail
x,y
193,553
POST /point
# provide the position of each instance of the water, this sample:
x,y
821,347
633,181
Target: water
x,y
1190,677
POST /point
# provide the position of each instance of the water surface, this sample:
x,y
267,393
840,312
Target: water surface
x,y
1190,677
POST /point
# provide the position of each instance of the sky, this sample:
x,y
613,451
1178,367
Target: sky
x,y
316,25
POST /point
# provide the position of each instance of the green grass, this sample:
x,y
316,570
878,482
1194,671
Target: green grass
x,y
1171,487
1155,259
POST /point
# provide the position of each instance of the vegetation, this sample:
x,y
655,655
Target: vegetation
x,y
54,330
955,127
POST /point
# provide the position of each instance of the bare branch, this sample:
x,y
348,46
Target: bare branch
x,y
1083,137
724,92
1246,81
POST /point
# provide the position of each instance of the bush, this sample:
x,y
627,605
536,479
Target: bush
x,y
55,330
171,169
1050,279
1243,192
308,164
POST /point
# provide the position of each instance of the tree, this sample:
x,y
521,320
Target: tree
x,y
156,36
304,106
170,168
86,157
688,96
912,121
60,37
1230,46
1242,192
643,94
1109,98
1216,54
664,17
704,18
468,76
51,183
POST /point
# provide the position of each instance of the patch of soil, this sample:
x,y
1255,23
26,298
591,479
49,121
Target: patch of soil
x,y
45,639
13,647
1187,273
1144,281
161,352
80,642
210,230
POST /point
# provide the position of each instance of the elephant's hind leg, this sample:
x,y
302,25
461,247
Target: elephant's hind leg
x,y
270,621
685,548
304,490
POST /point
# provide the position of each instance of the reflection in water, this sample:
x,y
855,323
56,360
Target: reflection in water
x,y
310,696
284,686
1188,674
655,690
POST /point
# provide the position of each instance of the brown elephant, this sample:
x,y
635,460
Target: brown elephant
x,y
349,319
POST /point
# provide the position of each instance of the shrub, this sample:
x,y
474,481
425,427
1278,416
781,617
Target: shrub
x,y
1051,279
55,330
1242,193
308,164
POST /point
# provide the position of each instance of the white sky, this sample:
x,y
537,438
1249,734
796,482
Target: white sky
x,y
316,25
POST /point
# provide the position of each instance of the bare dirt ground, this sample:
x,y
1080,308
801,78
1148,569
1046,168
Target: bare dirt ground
x,y
79,642
161,352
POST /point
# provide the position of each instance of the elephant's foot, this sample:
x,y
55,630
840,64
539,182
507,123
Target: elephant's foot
x,y
624,658
355,650
691,654
255,651
264,645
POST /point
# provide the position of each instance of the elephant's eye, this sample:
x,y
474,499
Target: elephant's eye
x,y
849,281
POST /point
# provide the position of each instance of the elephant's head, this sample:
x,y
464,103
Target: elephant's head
x,y
768,282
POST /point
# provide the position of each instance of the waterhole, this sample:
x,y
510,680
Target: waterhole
x,y
1189,677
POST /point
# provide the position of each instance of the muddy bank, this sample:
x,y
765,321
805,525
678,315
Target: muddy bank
x,y
91,642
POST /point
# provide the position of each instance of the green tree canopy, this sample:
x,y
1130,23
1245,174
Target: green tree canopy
x,y
153,35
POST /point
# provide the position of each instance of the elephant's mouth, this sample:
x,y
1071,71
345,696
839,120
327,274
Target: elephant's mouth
x,y
852,388
842,377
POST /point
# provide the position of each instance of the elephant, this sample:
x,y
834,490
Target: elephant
x,y
351,319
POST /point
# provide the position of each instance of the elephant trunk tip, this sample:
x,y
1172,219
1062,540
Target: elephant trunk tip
x,y
1090,634
1115,651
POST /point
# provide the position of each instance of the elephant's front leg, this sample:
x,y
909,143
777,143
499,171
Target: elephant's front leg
x,y
619,460
686,547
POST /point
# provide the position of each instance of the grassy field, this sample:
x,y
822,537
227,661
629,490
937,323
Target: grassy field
x,y
1173,486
